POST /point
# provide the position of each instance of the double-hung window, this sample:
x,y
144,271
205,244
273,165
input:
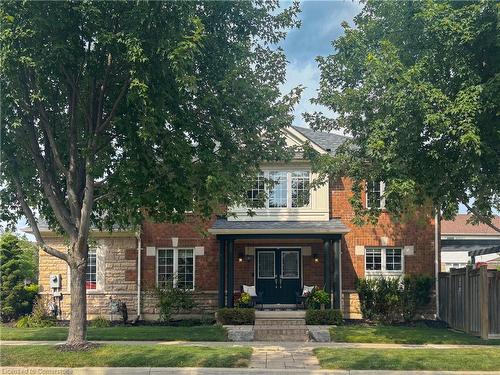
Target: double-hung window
x,y
175,267
383,260
91,273
374,194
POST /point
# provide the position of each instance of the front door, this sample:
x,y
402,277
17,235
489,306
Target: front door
x,y
278,274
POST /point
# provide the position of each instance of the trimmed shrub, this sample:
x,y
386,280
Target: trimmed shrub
x,y
100,322
324,317
236,316
391,300
417,292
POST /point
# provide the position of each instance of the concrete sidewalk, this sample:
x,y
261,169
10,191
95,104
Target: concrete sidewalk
x,y
215,371
270,344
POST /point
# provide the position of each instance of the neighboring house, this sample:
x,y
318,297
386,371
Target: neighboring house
x,y
460,241
302,237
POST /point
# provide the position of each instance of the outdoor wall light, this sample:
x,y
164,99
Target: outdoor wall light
x,y
242,257
316,259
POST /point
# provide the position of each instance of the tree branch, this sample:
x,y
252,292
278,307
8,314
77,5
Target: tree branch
x,y
483,219
50,135
103,88
31,219
47,182
105,123
88,202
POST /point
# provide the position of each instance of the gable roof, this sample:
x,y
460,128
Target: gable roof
x,y
327,141
460,226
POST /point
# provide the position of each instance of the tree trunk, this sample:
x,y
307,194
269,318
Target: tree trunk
x,y
78,323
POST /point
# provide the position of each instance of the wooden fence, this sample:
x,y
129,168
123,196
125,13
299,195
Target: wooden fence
x,y
469,300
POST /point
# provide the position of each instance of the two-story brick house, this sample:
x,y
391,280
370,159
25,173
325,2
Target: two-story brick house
x,y
301,237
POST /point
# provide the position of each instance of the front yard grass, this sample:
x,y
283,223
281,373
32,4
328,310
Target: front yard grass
x,y
420,334
126,356
133,333
410,359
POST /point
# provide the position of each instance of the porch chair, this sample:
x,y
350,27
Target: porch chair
x,y
257,297
301,296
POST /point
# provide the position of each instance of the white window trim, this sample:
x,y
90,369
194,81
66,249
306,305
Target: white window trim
x,y
384,271
94,251
288,188
382,196
176,264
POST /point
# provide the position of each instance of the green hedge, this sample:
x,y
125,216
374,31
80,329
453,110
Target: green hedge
x,y
324,317
236,316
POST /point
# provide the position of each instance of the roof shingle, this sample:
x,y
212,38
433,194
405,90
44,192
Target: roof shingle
x,y
460,226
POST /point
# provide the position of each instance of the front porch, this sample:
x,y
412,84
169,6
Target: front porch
x,y
279,259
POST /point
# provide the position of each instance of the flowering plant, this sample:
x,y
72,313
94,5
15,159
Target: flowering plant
x,y
244,300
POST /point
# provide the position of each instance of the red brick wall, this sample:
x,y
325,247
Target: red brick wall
x,y
190,234
418,232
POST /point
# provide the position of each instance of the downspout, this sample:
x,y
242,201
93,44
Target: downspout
x,y
437,242
138,236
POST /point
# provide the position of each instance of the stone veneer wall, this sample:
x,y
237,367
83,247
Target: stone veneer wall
x,y
114,266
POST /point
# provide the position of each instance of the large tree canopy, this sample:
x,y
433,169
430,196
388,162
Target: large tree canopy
x,y
117,111
416,84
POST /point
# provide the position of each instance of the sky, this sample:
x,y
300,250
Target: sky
x,y
321,22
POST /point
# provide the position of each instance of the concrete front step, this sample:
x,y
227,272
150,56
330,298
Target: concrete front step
x,y
293,329
280,322
281,335
280,314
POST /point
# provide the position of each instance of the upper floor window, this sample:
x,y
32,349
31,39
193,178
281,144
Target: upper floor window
x,y
374,194
256,194
175,267
383,259
278,196
91,273
300,189
289,189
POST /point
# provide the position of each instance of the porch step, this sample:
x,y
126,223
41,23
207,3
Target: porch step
x,y
299,314
280,329
280,322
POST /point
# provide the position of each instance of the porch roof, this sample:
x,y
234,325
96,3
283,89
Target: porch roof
x,y
224,226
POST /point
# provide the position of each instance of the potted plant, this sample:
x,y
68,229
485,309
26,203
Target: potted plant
x,y
244,301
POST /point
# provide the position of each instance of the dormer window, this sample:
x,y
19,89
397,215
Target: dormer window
x,y
374,194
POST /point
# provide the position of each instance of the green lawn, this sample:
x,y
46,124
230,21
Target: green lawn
x,y
136,333
410,359
126,356
420,334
